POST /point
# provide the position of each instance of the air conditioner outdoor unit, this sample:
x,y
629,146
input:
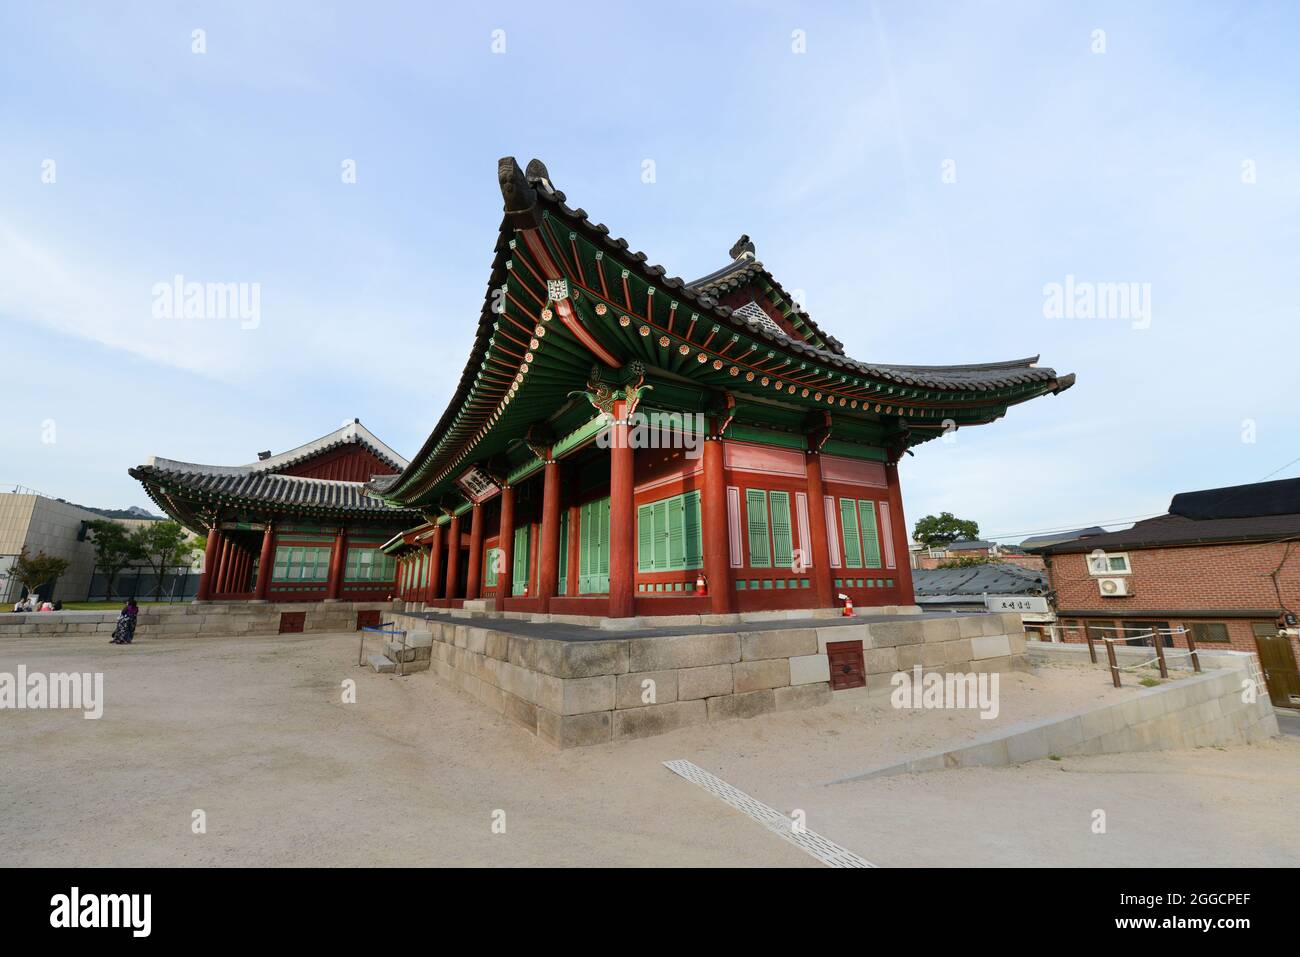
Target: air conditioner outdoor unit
x,y
1112,587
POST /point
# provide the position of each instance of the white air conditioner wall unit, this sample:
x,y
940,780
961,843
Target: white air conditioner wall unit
x,y
1112,587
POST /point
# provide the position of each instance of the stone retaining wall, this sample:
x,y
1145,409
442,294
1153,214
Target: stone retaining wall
x,y
1194,711
185,620
580,692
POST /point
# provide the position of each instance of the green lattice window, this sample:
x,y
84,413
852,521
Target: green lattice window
x,y
298,563
669,537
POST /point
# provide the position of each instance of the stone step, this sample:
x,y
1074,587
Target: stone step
x,y
419,639
395,652
381,665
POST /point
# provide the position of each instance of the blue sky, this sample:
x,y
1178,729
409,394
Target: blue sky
x,y
1117,166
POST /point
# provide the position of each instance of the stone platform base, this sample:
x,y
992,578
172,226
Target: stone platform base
x,y
187,620
591,688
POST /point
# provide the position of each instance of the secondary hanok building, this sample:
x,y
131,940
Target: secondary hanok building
x,y
625,443
298,526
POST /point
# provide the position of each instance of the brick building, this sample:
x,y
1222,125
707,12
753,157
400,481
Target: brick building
x,y
1223,564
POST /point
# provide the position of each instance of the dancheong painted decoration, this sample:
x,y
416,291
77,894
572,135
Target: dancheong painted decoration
x,y
625,443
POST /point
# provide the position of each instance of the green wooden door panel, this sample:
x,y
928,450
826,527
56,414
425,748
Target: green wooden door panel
x,y
852,540
519,564
562,583
782,536
870,534
593,548
760,553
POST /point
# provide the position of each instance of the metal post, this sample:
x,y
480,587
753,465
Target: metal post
x,y
1191,648
1160,651
1114,665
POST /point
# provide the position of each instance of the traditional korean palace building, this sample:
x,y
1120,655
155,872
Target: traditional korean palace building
x,y
625,443
298,526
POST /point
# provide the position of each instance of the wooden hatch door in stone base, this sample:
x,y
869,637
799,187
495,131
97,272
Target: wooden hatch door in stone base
x,y
847,667
1279,664
292,622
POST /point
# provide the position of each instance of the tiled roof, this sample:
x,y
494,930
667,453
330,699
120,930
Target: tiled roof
x,y
977,580
531,198
1180,530
353,433
292,490
1037,541
1240,501
704,291
187,490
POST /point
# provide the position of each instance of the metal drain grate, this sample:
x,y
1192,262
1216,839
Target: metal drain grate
x,y
828,852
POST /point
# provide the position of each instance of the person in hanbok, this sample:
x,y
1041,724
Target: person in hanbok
x,y
124,633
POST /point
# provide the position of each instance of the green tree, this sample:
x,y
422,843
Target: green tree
x,y
944,529
40,569
163,545
115,549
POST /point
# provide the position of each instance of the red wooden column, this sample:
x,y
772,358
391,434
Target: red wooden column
x,y
713,513
223,566
549,562
453,557
902,551
337,564
265,563
575,549
821,552
435,567
622,518
209,565
506,542
474,577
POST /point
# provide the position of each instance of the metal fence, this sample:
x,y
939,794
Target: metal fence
x,y
179,584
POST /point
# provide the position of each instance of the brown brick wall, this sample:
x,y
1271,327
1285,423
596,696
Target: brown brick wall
x,y
1185,579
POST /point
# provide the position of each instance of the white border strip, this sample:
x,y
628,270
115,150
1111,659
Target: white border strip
x,y
828,852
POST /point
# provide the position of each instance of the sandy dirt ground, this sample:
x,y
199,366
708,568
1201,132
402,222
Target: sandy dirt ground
x,y
254,733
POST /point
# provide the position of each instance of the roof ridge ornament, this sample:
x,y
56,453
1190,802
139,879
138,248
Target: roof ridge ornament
x,y
537,173
520,198
743,247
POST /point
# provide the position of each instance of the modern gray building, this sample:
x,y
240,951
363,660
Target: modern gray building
x,y
40,524
44,524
